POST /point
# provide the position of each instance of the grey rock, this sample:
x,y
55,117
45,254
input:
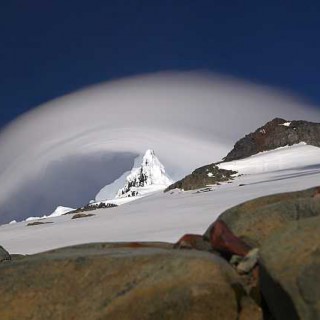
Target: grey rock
x,y
4,254
249,261
235,260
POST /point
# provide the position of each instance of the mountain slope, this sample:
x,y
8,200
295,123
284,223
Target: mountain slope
x,y
274,135
168,216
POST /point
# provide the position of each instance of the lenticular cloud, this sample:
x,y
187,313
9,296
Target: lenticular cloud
x,y
64,151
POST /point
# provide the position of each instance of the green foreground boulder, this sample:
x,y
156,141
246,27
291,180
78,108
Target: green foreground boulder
x,y
256,220
290,271
286,228
123,281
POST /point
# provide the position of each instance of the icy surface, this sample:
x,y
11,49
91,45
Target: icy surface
x,y
60,210
288,157
167,216
110,191
286,124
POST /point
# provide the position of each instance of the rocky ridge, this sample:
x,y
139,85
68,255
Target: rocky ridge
x,y
204,176
275,134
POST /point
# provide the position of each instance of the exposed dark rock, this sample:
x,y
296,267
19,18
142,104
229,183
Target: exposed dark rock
x,y
4,254
82,215
274,135
93,206
139,181
202,177
36,223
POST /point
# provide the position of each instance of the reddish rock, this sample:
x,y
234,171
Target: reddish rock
x,y
224,241
193,241
316,194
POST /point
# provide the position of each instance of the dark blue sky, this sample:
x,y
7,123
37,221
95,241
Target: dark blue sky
x,y
49,48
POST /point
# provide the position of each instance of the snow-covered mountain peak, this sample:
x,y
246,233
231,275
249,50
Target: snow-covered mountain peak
x,y
149,176
149,157
153,168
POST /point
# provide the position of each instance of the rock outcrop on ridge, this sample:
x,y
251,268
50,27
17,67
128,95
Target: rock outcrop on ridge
x,y
201,177
274,134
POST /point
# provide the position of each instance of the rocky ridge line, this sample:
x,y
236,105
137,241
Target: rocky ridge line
x,y
275,134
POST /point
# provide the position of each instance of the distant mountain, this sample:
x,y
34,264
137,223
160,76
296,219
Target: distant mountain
x,y
274,134
147,175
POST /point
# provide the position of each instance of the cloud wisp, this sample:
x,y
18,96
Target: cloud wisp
x,y
188,118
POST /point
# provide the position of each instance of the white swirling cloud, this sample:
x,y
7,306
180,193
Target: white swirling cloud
x,y
63,151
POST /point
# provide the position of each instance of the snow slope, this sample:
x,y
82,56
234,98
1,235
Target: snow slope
x,y
166,217
274,160
60,210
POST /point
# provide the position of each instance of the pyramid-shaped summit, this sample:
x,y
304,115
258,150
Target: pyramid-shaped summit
x,y
149,176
